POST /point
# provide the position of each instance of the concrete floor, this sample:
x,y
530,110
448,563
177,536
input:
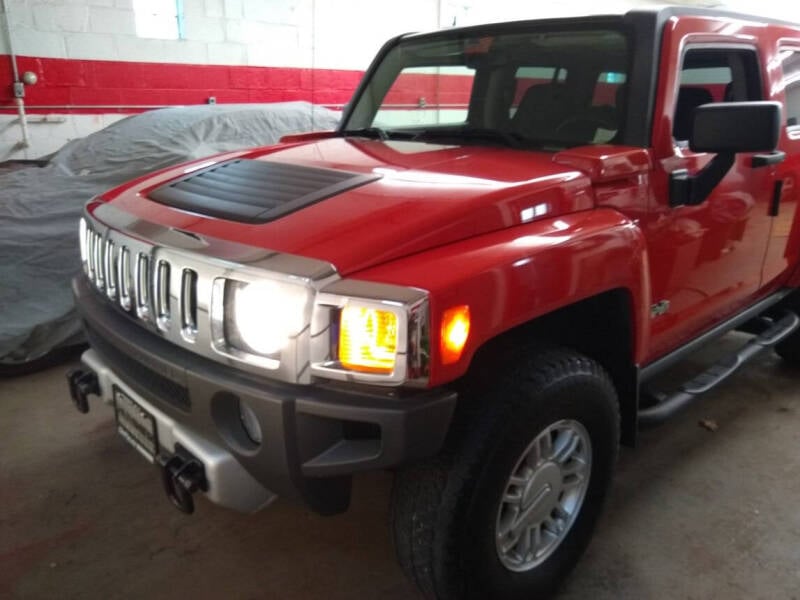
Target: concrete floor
x,y
693,513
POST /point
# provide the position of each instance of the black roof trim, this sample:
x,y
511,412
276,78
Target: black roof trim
x,y
666,12
659,13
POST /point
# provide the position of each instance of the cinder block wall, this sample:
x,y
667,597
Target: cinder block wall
x,y
94,69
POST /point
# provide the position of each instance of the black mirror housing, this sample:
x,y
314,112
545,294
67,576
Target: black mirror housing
x,y
731,127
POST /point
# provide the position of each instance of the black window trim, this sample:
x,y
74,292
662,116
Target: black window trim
x,y
789,46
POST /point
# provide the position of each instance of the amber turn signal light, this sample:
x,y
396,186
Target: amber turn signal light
x,y
455,331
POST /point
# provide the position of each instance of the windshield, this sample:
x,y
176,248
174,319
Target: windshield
x,y
547,89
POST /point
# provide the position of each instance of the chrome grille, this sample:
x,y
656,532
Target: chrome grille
x,y
174,283
166,281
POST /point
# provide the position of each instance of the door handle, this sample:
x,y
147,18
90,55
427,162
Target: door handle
x,y
773,158
776,198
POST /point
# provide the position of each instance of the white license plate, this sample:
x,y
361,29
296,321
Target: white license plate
x,y
136,425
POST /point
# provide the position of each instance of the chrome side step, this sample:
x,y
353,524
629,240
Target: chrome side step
x,y
716,374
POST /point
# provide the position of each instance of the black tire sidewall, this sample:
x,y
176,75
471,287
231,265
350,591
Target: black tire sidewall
x,y
584,398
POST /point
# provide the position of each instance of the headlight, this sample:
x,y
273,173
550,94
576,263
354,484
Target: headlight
x,y
261,317
379,334
368,339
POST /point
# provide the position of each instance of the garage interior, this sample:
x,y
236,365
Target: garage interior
x,y
704,507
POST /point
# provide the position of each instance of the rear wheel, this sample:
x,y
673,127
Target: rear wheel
x,y
509,506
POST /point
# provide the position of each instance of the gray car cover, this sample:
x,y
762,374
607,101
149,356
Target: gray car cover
x,y
40,206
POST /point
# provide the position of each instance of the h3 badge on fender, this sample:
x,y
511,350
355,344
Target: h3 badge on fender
x,y
659,308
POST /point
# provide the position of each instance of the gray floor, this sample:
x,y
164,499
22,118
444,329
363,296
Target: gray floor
x,y
693,513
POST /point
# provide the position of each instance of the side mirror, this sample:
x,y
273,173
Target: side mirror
x,y
736,127
725,129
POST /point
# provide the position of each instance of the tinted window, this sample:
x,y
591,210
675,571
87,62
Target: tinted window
x,y
427,96
791,82
713,75
545,88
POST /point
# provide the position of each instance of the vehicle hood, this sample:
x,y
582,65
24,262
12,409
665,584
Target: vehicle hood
x,y
419,196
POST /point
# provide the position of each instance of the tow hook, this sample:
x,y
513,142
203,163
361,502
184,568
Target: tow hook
x,y
181,477
81,384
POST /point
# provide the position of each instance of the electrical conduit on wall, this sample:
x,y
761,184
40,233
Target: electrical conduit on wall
x,y
20,102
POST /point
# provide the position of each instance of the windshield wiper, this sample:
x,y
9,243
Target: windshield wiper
x,y
371,132
512,139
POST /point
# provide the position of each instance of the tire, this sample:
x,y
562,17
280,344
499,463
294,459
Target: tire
x,y
447,512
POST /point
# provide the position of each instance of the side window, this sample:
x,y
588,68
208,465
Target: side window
x,y
791,85
713,75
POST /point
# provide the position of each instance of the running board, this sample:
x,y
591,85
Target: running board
x,y
716,374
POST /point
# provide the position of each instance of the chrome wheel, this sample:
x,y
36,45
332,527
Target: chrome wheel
x,y
543,495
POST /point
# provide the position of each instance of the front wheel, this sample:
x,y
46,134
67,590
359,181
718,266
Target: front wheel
x,y
509,506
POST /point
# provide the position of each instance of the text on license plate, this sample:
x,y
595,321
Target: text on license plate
x,y
135,424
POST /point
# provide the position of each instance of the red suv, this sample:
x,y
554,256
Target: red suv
x,y
472,282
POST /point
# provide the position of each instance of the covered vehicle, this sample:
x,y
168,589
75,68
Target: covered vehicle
x,y
40,206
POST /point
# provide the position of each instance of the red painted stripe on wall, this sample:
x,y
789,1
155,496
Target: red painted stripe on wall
x,y
72,83
430,89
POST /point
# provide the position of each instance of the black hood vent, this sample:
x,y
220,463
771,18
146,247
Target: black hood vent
x,y
255,191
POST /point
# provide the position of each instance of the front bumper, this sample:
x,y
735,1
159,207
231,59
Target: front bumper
x,y
314,437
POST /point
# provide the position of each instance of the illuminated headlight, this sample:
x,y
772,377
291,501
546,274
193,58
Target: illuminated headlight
x,y
368,339
261,317
379,334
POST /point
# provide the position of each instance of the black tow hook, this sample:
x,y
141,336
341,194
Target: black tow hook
x,y
81,384
181,477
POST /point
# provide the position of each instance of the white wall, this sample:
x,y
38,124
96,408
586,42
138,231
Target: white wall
x,y
317,34
340,34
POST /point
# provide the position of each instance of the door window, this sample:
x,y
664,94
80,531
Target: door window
x,y
791,86
713,75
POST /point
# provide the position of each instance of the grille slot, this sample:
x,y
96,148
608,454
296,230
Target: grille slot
x,y
83,232
124,278
87,240
170,292
161,294
100,280
91,238
189,305
142,278
110,270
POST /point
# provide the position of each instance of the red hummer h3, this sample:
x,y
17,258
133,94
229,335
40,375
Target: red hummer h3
x,y
471,282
